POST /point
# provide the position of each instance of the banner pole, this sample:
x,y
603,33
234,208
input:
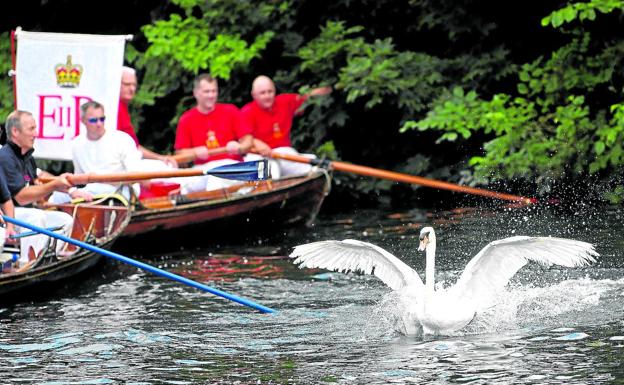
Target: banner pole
x,y
13,60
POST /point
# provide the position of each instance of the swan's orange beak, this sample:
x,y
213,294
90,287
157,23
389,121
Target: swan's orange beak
x,y
424,241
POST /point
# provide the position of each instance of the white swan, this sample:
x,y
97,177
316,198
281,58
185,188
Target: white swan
x,y
444,311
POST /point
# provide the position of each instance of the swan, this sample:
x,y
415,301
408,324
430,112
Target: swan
x,y
446,310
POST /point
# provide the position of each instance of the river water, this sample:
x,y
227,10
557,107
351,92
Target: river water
x,y
120,325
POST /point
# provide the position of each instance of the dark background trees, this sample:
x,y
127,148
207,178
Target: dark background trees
x,y
465,91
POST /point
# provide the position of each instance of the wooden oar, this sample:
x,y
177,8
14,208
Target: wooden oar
x,y
245,171
141,265
186,157
398,177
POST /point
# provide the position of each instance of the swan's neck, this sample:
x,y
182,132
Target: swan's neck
x,y
430,266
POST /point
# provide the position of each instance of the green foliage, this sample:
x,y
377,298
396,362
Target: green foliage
x,y
560,124
460,114
6,86
574,67
216,36
238,16
453,70
581,11
608,141
221,37
615,196
189,42
327,150
333,41
366,70
448,15
187,5
375,72
527,144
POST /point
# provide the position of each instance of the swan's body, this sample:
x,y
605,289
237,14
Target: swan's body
x,y
452,309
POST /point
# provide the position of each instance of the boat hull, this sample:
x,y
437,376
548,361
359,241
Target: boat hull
x,y
101,224
274,203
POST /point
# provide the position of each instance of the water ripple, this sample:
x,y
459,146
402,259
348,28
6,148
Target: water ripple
x,y
549,326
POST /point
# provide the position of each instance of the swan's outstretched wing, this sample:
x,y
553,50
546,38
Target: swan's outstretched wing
x,y
490,270
352,255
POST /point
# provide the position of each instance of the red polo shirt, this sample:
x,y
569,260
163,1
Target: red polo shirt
x,y
124,123
214,129
272,126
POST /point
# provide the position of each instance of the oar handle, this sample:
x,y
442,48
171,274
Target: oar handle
x,y
398,177
132,176
78,179
190,156
129,177
297,158
141,265
247,171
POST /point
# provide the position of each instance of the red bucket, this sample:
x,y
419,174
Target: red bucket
x,y
158,189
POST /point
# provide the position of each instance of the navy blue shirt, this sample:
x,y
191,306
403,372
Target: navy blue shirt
x,y
5,195
19,170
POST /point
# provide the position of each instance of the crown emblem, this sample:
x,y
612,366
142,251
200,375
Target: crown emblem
x,y
277,132
68,75
211,141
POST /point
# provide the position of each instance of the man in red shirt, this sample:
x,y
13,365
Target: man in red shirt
x,y
269,117
210,126
124,123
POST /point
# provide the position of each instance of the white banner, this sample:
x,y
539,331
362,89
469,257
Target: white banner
x,y
56,73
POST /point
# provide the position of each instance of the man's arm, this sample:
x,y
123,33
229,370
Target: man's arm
x,y
9,210
320,91
130,155
240,147
246,143
30,194
149,154
44,174
200,152
6,205
259,147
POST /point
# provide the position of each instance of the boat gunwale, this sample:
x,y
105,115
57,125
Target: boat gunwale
x,y
298,181
80,256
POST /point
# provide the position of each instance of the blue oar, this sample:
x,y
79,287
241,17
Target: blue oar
x,y
31,233
254,170
141,265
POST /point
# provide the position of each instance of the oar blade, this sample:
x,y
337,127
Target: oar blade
x,y
245,171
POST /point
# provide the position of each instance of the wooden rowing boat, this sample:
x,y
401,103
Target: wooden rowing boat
x,y
266,203
97,224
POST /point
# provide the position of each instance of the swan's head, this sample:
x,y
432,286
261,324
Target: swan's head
x,y
427,236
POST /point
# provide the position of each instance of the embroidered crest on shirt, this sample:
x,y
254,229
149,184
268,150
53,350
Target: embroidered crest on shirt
x,y
277,132
211,140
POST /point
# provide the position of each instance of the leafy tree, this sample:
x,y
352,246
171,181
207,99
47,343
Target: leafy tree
x,y
565,119
465,79
182,45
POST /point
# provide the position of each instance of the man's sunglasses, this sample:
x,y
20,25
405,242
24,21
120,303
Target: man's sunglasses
x,y
95,120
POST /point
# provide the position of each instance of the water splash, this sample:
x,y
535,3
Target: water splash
x,y
569,302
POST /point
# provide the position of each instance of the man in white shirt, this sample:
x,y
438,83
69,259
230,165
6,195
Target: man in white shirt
x,y
100,151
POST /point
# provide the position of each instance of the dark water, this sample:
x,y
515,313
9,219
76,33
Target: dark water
x,y
124,326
